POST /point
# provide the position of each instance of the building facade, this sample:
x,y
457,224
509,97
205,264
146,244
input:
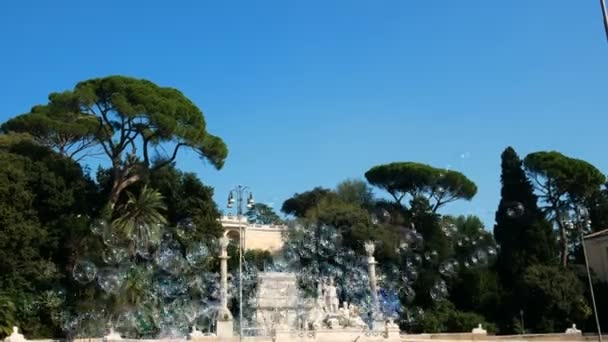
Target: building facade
x,y
267,237
597,253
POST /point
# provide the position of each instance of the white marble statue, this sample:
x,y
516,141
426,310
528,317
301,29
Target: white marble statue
x,y
344,314
355,317
573,330
479,330
331,297
15,336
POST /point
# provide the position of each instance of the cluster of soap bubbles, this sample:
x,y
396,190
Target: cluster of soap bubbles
x,y
318,253
171,282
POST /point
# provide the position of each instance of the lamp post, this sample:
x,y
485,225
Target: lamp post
x,y
605,16
586,223
240,192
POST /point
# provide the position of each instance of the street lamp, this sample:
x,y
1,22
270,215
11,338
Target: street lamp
x,y
605,16
239,193
586,223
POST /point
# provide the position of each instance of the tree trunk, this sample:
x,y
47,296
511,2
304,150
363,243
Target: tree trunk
x,y
564,245
117,188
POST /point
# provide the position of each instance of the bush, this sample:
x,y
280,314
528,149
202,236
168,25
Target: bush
x,y
444,317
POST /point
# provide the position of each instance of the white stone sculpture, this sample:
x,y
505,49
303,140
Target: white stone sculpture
x,y
344,314
15,336
573,330
331,297
355,317
112,336
479,330
390,324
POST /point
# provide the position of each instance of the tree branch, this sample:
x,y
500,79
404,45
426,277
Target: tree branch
x,y
173,156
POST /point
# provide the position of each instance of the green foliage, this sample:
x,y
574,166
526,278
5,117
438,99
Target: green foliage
x,y
554,299
260,259
144,209
564,184
128,119
44,201
261,213
521,230
356,192
569,176
443,317
60,125
477,290
184,196
415,179
299,204
7,315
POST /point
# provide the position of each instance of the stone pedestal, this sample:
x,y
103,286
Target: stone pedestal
x,y
225,328
276,301
225,324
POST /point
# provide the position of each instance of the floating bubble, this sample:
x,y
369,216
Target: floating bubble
x,y
98,226
410,294
169,287
110,280
185,228
110,238
197,254
481,256
439,290
515,210
169,257
84,271
113,255
448,267
491,251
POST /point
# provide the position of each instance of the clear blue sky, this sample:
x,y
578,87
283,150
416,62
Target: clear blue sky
x,y
309,93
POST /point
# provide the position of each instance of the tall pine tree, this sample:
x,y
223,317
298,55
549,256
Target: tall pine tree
x,y
524,235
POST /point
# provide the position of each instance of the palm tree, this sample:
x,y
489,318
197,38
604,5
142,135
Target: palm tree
x,y
141,218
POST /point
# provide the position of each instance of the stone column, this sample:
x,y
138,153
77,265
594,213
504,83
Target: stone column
x,y
371,269
224,316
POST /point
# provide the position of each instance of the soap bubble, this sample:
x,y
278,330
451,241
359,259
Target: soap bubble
x,y
481,256
439,290
113,255
410,294
515,210
197,254
491,251
168,287
98,226
146,236
185,228
169,257
110,280
448,267
84,271
110,238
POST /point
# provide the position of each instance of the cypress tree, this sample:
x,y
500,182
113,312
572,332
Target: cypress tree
x,y
521,230
524,235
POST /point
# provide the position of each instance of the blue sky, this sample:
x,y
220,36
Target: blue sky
x,y
309,93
